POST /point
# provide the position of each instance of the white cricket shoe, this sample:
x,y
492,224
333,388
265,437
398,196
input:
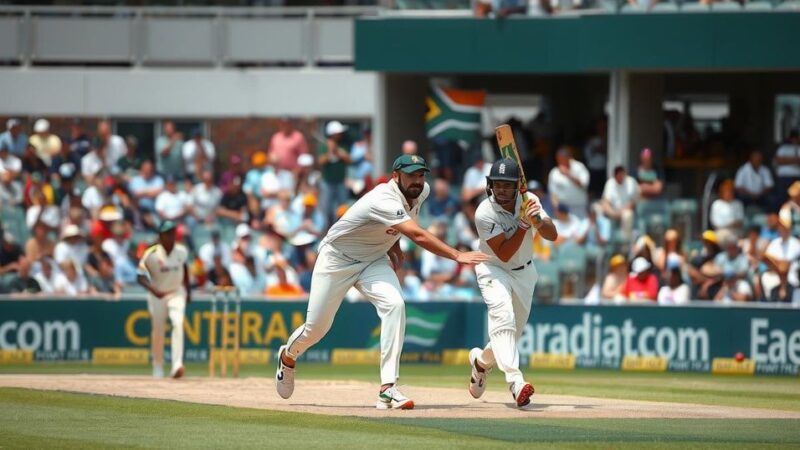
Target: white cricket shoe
x,y
477,381
284,376
158,371
392,398
178,373
522,393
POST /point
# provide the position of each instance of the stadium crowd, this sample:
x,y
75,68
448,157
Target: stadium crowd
x,y
79,210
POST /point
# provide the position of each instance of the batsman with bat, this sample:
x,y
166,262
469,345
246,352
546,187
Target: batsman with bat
x,y
506,221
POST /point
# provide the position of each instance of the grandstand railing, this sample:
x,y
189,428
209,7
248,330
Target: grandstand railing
x,y
178,36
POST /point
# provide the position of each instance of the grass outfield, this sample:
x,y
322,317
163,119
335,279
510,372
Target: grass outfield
x,y
37,419
756,392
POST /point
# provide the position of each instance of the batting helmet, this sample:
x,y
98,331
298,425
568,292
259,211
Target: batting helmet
x,y
502,170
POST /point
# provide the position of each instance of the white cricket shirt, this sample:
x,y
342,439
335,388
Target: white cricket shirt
x,y
492,219
165,271
365,231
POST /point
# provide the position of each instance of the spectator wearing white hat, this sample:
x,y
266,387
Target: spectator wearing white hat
x,y
241,243
333,159
72,246
13,138
641,285
568,183
46,144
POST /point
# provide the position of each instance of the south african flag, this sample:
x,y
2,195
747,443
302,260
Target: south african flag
x,y
454,114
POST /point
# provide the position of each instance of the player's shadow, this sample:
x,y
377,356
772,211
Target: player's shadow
x,y
362,406
538,407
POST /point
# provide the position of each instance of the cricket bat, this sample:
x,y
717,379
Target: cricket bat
x,y
508,150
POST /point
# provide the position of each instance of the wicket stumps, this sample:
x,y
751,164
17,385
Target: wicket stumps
x,y
230,331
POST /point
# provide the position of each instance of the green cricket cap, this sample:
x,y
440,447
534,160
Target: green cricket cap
x,y
166,225
410,164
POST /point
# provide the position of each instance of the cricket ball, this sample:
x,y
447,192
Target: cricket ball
x,y
739,356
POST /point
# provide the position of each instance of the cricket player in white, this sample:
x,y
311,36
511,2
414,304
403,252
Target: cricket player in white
x,y
360,250
162,271
507,280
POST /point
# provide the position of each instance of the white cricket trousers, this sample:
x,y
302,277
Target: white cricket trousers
x,y
334,274
508,295
174,306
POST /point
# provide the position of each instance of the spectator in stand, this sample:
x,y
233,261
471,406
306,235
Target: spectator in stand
x,y
9,162
500,8
72,246
78,143
105,282
218,275
782,258
169,148
172,204
437,271
24,282
286,146
118,249
235,169
94,165
671,252
650,180
10,253
333,160
67,161
205,198
31,162
14,139
64,181
730,260
734,288
727,213
232,207
442,204
595,154
792,206
41,211
568,183
44,272
10,190
111,145
537,189
754,182
145,188
128,166
409,147
641,285
312,222
787,165
619,199
598,228
252,186
675,292
361,153
46,144
198,155
754,246
284,289
473,187
307,178
701,267
615,279
214,247
70,281
464,223
93,198
247,278
570,227
39,244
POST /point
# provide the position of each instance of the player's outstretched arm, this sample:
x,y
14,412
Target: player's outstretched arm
x,y
431,243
